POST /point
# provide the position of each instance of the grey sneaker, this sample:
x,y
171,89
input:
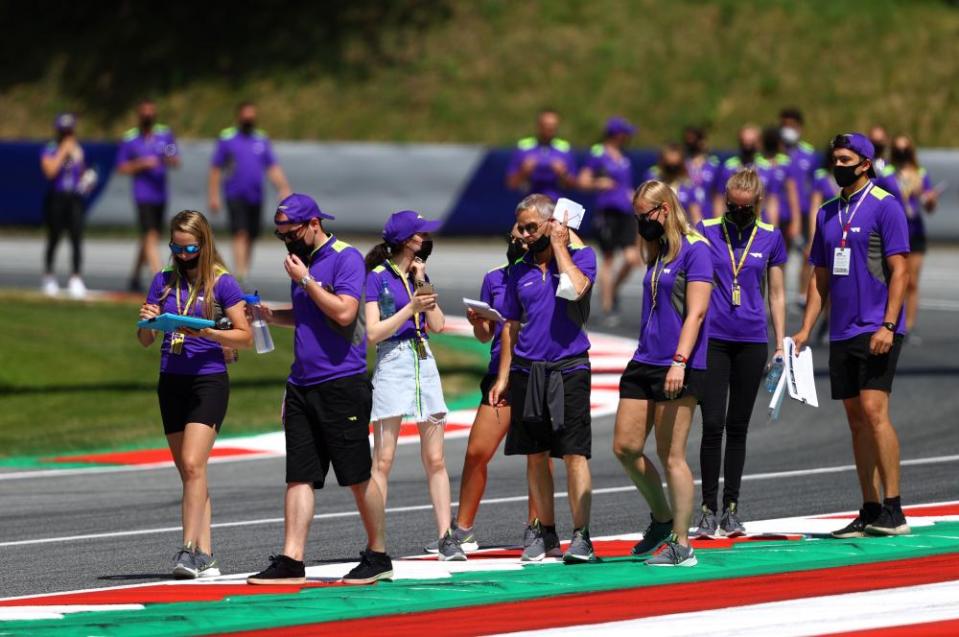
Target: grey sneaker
x,y
464,537
449,549
206,565
184,564
707,524
530,533
544,544
730,524
654,535
580,548
674,554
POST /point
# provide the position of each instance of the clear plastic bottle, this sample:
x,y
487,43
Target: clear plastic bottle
x,y
775,372
386,301
262,339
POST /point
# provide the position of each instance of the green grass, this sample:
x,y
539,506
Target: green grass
x,y
73,377
479,70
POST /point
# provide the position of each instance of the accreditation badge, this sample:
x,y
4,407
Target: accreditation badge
x,y
737,295
841,261
176,342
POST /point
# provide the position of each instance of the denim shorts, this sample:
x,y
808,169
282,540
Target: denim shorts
x,y
404,385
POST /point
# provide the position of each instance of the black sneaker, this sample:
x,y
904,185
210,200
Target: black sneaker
x,y
856,528
373,566
654,535
891,521
282,570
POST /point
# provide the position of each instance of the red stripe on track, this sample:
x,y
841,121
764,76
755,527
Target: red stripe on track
x,y
636,603
162,594
148,456
945,628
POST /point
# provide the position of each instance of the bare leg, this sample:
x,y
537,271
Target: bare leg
x,y
191,451
875,409
299,506
672,430
489,428
437,478
915,260
369,502
634,421
631,259
863,450
541,486
151,256
606,281
385,434
241,253
580,487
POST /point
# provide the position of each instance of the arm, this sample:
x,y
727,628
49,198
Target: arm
x,y
777,303
51,164
278,178
817,292
282,317
379,330
482,328
342,308
518,174
137,165
508,341
795,219
240,336
213,189
585,179
695,213
697,302
147,311
559,239
881,341
772,211
435,321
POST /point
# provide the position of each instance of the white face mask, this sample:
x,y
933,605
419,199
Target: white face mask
x,y
789,135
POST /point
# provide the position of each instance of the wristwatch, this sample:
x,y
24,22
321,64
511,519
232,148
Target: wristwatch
x,y
889,325
679,361
306,280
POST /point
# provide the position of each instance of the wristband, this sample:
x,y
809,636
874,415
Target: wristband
x,y
306,280
889,325
678,364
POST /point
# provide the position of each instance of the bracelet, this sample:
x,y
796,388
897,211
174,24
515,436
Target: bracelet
x,y
306,280
889,325
679,358
678,364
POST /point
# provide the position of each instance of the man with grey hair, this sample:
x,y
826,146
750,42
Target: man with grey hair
x,y
544,368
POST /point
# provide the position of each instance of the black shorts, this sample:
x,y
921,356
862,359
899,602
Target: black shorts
x,y
852,368
244,216
615,230
526,437
328,423
646,382
918,243
186,398
151,216
485,385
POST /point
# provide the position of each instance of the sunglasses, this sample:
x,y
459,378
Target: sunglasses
x,y
645,215
529,228
732,208
178,249
289,235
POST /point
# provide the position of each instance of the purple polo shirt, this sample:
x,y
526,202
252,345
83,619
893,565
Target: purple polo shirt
x,y
323,350
149,186
878,230
492,293
802,166
746,322
67,178
551,328
374,283
543,180
661,326
893,182
603,164
687,192
824,184
246,158
200,356
704,174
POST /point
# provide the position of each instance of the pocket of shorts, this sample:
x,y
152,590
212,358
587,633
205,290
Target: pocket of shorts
x,y
354,432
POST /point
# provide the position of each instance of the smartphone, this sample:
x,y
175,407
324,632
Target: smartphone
x,y
426,288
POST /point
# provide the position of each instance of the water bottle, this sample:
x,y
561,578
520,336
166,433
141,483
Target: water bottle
x,y
262,339
775,372
386,301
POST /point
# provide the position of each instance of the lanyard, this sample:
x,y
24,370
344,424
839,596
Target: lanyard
x,y
732,257
409,292
190,299
845,227
654,282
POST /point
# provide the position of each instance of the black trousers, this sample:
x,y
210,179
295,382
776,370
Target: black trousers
x,y
64,213
735,370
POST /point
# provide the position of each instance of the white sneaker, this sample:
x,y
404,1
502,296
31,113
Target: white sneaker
x,y
49,285
76,287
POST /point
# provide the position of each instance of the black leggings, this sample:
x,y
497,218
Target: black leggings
x,y
736,368
64,212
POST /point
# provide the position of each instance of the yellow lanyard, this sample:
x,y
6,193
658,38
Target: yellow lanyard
x,y
409,292
737,268
192,293
654,282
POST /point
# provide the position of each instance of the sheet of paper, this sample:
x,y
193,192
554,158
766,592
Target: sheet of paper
x,y
575,211
484,310
800,380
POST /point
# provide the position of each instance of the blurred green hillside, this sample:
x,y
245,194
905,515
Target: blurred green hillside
x,y
476,71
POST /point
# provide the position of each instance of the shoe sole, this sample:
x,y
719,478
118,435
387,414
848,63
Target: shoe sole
x,y
847,535
430,550
469,547
702,535
733,534
634,553
459,557
902,529
210,572
258,581
183,572
685,563
387,575
578,559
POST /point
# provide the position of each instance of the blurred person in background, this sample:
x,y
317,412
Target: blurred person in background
x,y
609,173
244,152
701,167
748,156
880,141
69,179
782,184
544,162
671,170
146,152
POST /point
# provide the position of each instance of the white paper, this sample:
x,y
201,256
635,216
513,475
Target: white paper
x,y
484,310
800,381
575,211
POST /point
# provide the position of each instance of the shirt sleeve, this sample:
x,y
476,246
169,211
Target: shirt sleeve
x,y
515,160
893,228
348,275
125,152
585,260
486,290
269,159
817,253
778,255
926,182
171,150
511,309
227,291
699,263
220,154
372,287
156,289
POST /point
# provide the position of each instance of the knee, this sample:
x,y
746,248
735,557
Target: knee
x,y
873,414
193,467
382,463
434,462
673,462
626,451
476,457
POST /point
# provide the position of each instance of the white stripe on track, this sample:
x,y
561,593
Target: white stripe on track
x,y
776,475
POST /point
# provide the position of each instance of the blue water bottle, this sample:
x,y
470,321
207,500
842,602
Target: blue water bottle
x,y
775,372
386,301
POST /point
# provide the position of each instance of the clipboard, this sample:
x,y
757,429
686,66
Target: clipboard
x,y
168,322
484,310
798,372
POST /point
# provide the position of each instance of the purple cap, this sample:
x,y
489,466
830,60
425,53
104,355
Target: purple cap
x,y
859,144
300,208
404,224
65,122
619,125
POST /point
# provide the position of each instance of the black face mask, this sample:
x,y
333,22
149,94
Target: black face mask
x,y
540,244
900,155
742,216
247,126
692,148
146,123
426,249
650,229
672,170
301,249
846,176
514,251
188,266
747,154
880,149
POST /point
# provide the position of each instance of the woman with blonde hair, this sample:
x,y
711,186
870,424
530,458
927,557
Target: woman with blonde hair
x,y
194,387
664,381
748,258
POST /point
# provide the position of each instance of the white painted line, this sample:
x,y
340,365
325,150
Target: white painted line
x,y
424,507
17,613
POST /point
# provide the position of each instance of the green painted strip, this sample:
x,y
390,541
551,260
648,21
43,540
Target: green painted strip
x,y
490,587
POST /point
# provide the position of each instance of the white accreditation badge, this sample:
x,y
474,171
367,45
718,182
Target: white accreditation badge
x,y
841,261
